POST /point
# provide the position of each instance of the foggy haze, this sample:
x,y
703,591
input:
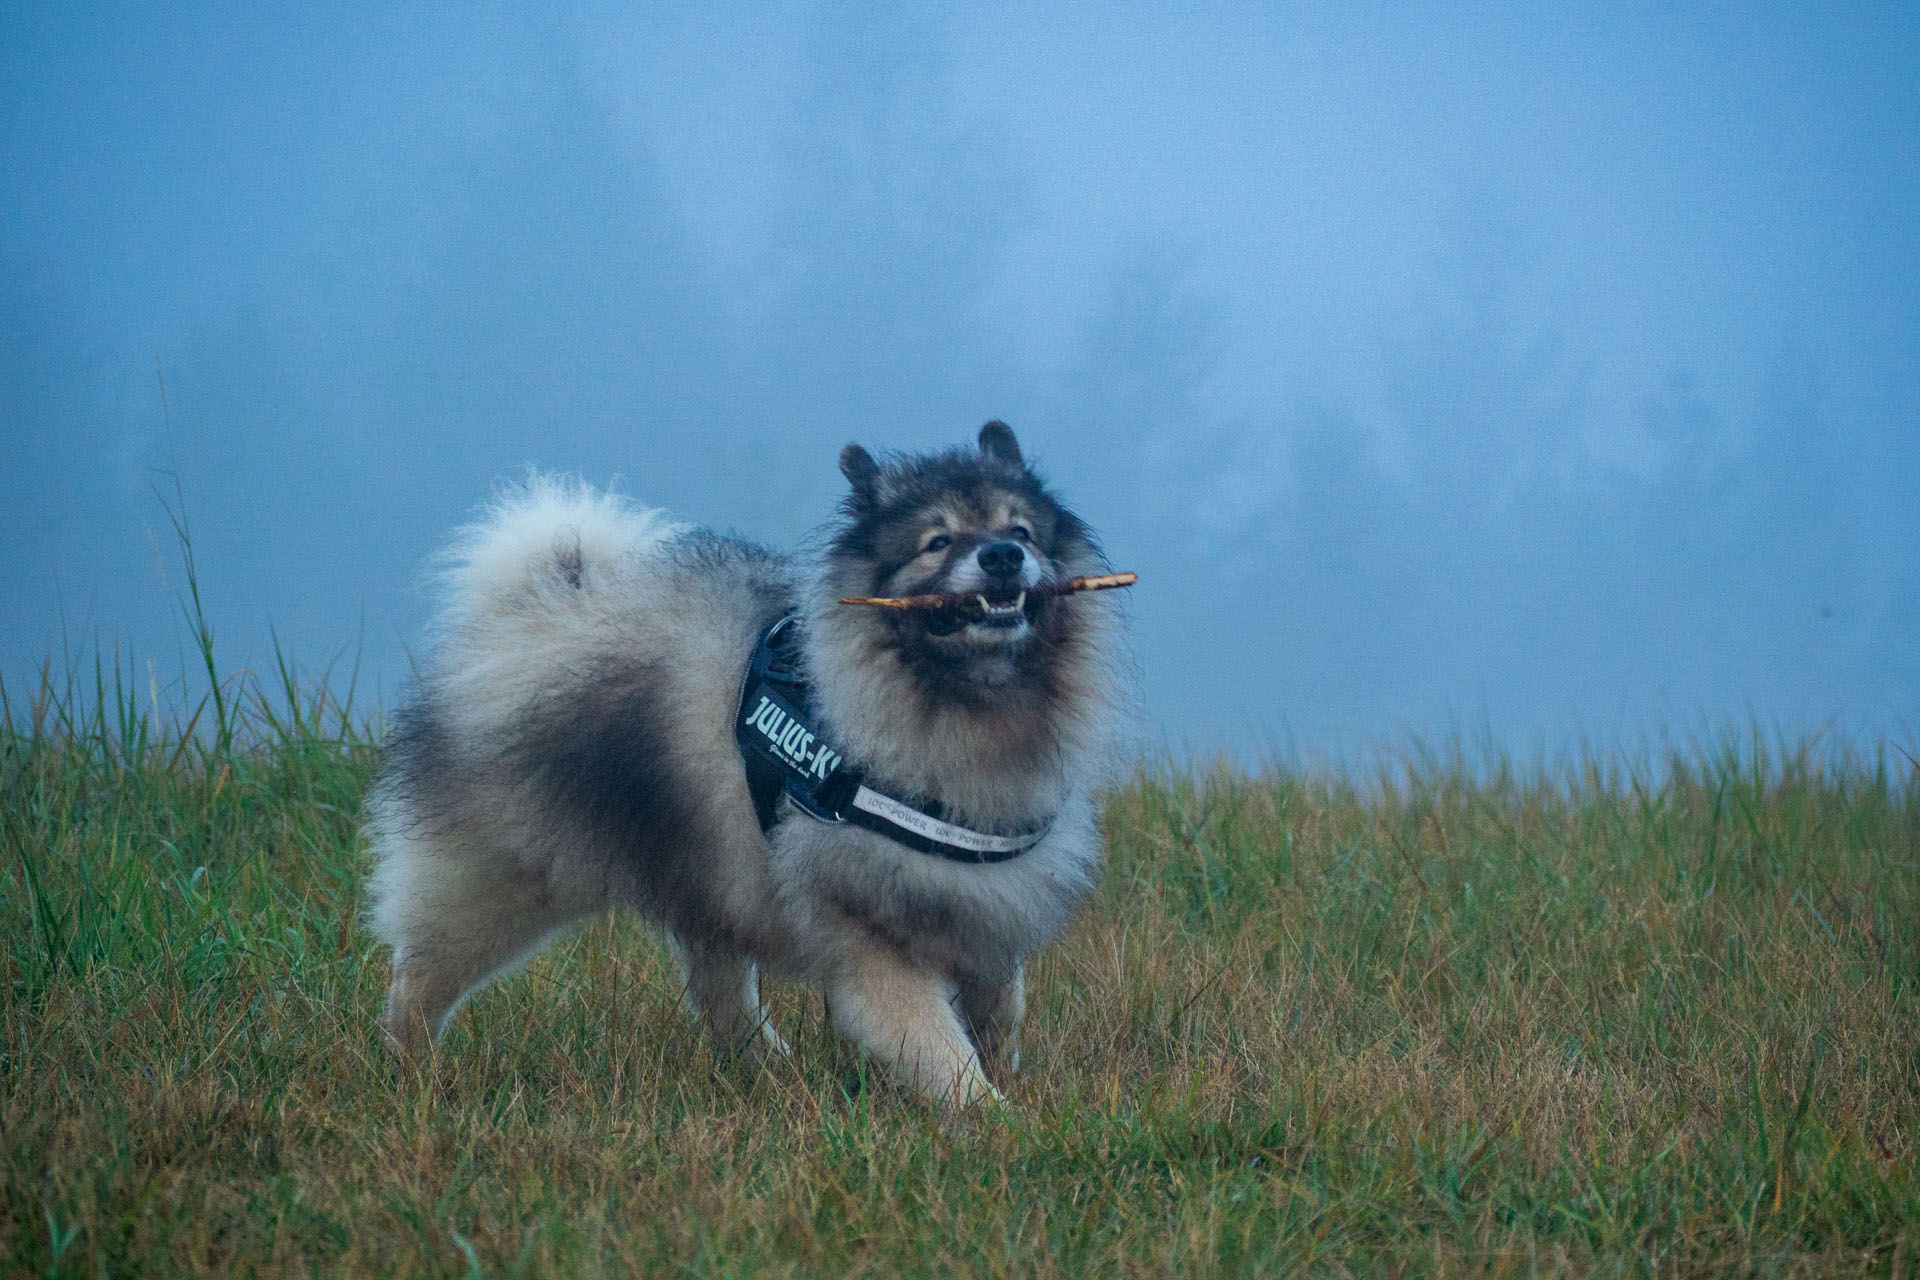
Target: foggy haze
x,y
1523,379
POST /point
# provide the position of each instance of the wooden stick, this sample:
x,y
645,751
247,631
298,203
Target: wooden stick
x,y
954,600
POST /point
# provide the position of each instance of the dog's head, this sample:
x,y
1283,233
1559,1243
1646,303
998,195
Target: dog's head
x,y
982,703
976,524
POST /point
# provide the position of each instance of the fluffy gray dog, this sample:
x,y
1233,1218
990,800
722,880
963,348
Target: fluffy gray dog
x,y
576,740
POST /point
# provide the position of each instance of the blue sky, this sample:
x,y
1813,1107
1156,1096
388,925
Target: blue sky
x,y
1547,374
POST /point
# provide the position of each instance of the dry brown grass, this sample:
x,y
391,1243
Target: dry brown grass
x,y
1657,1019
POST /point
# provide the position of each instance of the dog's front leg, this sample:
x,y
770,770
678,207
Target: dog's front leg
x,y
993,1012
723,988
904,1016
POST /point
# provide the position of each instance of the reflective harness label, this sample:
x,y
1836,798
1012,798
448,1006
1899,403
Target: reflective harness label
x,y
785,754
784,734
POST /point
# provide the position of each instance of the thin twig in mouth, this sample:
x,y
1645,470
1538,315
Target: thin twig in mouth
x,y
968,599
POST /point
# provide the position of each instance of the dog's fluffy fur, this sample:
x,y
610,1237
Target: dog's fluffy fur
x,y
571,745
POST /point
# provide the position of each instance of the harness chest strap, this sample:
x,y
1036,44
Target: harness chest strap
x,y
785,753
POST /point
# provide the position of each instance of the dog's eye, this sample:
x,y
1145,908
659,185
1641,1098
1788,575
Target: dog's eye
x,y
1021,532
938,542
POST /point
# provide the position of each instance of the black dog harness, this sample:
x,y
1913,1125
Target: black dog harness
x,y
786,752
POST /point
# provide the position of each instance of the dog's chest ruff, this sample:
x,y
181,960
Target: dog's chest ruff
x,y
785,752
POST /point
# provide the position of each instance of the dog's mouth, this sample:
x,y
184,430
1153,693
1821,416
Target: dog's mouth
x,y
999,610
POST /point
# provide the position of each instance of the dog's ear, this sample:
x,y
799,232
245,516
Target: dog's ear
x,y
996,441
861,471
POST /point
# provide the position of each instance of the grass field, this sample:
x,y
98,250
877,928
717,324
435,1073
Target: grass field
x,y
1633,1016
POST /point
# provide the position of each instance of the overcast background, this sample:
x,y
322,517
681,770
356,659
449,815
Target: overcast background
x,y
1532,372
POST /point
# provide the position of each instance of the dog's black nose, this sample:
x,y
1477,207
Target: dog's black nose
x,y
1002,559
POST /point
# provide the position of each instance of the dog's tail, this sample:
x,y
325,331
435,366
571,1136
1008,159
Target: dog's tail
x,y
544,542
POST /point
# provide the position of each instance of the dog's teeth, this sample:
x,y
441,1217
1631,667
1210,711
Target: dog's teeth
x,y
1020,603
984,606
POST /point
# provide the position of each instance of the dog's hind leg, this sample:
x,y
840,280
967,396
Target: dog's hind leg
x,y
723,988
992,1012
905,1017
455,919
